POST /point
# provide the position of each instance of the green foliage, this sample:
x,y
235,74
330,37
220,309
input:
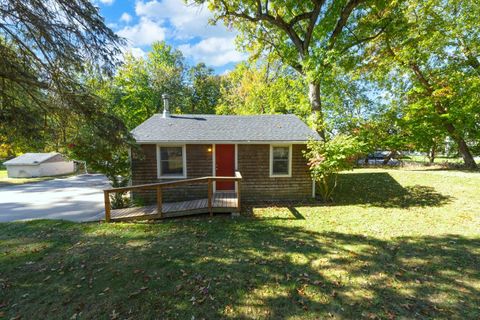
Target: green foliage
x,y
327,159
45,48
203,90
427,59
135,92
105,153
307,36
263,89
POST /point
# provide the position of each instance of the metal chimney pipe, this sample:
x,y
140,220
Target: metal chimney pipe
x,y
166,110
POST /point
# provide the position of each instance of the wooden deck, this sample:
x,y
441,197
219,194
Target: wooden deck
x,y
221,202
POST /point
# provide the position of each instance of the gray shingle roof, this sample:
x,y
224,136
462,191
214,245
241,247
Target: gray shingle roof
x,y
31,159
213,128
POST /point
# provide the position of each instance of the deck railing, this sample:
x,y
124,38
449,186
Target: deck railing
x,y
161,185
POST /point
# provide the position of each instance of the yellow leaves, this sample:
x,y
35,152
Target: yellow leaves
x,y
443,93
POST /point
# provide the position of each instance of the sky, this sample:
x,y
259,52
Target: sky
x,y
183,26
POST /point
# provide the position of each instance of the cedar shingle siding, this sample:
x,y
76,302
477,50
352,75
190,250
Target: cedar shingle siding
x,y
199,164
253,164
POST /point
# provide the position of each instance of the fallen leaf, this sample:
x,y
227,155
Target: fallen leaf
x,y
114,315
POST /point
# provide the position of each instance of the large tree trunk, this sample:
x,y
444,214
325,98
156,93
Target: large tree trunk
x,y
432,154
447,124
316,105
462,145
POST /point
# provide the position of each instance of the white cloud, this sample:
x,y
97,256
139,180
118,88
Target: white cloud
x,y
188,20
187,25
134,51
213,51
226,72
137,52
143,33
107,2
126,17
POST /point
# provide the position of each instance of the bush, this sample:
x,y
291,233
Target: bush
x,y
105,149
327,159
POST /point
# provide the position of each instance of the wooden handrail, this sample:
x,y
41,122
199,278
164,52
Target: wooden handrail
x,y
237,177
160,185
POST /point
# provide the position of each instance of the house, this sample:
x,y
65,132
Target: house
x,y
31,165
267,150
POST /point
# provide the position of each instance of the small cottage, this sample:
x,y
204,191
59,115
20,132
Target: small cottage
x,y
267,150
31,165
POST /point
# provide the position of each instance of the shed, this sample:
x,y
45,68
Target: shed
x,y
31,165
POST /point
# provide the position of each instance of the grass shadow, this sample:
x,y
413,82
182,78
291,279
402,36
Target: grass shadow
x,y
248,210
296,213
238,269
382,190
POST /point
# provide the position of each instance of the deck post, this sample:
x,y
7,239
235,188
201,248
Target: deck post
x,y
210,192
238,196
159,201
106,196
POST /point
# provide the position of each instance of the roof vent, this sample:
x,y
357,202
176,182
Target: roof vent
x,y
166,110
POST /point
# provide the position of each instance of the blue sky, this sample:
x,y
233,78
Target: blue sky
x,y
184,26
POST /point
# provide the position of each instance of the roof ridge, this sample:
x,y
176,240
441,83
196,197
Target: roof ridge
x,y
227,115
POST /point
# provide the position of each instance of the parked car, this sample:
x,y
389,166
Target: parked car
x,y
377,158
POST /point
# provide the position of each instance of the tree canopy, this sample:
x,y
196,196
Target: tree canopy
x,y
305,35
46,48
427,59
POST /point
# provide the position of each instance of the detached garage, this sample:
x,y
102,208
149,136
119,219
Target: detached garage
x,y
31,165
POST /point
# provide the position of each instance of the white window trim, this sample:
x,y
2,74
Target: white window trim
x,y
289,175
184,159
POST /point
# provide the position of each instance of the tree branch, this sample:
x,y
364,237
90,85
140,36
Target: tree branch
x,y
342,21
265,16
366,39
311,24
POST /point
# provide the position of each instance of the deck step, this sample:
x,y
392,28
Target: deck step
x,y
221,202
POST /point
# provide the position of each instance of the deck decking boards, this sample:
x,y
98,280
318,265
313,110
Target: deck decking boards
x,y
221,202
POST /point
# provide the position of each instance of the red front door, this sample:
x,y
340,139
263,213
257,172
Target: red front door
x,y
225,165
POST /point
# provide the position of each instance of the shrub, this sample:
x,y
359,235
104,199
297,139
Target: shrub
x,y
327,159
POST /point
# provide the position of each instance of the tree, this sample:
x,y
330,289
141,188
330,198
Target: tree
x,y
130,95
167,70
429,51
327,159
105,153
305,35
46,45
263,89
134,94
204,89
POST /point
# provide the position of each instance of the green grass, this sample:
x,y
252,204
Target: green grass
x,y
438,160
395,244
6,181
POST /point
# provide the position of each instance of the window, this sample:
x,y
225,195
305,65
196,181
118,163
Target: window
x,y
281,161
171,161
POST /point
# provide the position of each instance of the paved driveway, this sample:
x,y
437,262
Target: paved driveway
x,y
78,198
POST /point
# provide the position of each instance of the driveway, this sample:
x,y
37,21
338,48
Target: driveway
x,y
78,198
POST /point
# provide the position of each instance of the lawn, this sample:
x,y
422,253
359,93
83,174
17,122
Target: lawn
x,y
438,160
395,244
6,181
